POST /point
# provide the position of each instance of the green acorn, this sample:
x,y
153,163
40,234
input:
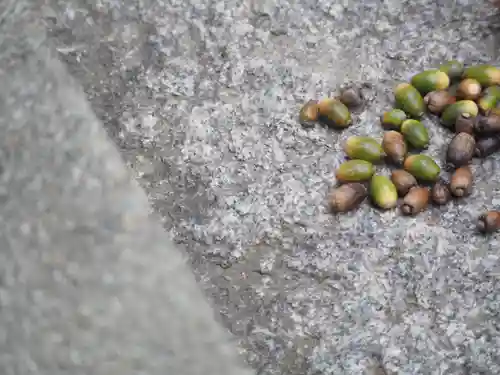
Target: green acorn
x,y
423,167
409,100
354,171
363,148
383,192
415,133
430,80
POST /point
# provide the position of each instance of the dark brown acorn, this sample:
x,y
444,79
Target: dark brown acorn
x,y
487,146
488,124
440,193
415,201
461,182
465,123
351,97
460,150
403,181
489,222
347,197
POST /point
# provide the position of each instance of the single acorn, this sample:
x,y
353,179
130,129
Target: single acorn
x,y
485,74
440,193
403,181
489,99
415,201
415,133
351,97
392,120
461,182
488,125
489,222
486,146
334,113
394,146
460,150
451,113
469,89
409,100
383,192
465,123
309,113
363,148
437,101
355,171
430,80
454,69
422,167
347,197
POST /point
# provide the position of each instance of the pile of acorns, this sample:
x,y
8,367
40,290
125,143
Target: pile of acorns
x,y
465,100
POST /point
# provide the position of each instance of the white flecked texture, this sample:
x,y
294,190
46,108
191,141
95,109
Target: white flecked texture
x,y
202,97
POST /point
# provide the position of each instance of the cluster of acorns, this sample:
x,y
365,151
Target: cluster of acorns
x,y
464,98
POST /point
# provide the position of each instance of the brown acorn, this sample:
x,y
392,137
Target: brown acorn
x,y
351,97
488,124
309,113
394,146
461,150
440,193
347,197
465,123
487,146
437,101
461,182
415,201
469,89
403,181
489,222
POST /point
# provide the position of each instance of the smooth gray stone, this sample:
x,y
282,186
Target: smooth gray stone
x,y
89,282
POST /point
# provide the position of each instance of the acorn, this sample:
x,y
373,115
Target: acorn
x,y
440,193
415,201
351,97
415,133
422,167
347,197
430,80
363,148
309,113
465,123
451,113
394,146
489,222
334,113
460,150
485,74
392,120
461,182
409,100
437,101
489,99
454,69
403,181
469,89
355,171
383,192
488,124
486,146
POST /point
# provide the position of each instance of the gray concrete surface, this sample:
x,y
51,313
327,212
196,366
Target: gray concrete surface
x,y
202,96
89,282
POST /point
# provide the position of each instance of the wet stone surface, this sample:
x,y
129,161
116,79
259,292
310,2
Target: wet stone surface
x,y
202,98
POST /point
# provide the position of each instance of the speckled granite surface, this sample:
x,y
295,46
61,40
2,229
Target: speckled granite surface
x,y
202,98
